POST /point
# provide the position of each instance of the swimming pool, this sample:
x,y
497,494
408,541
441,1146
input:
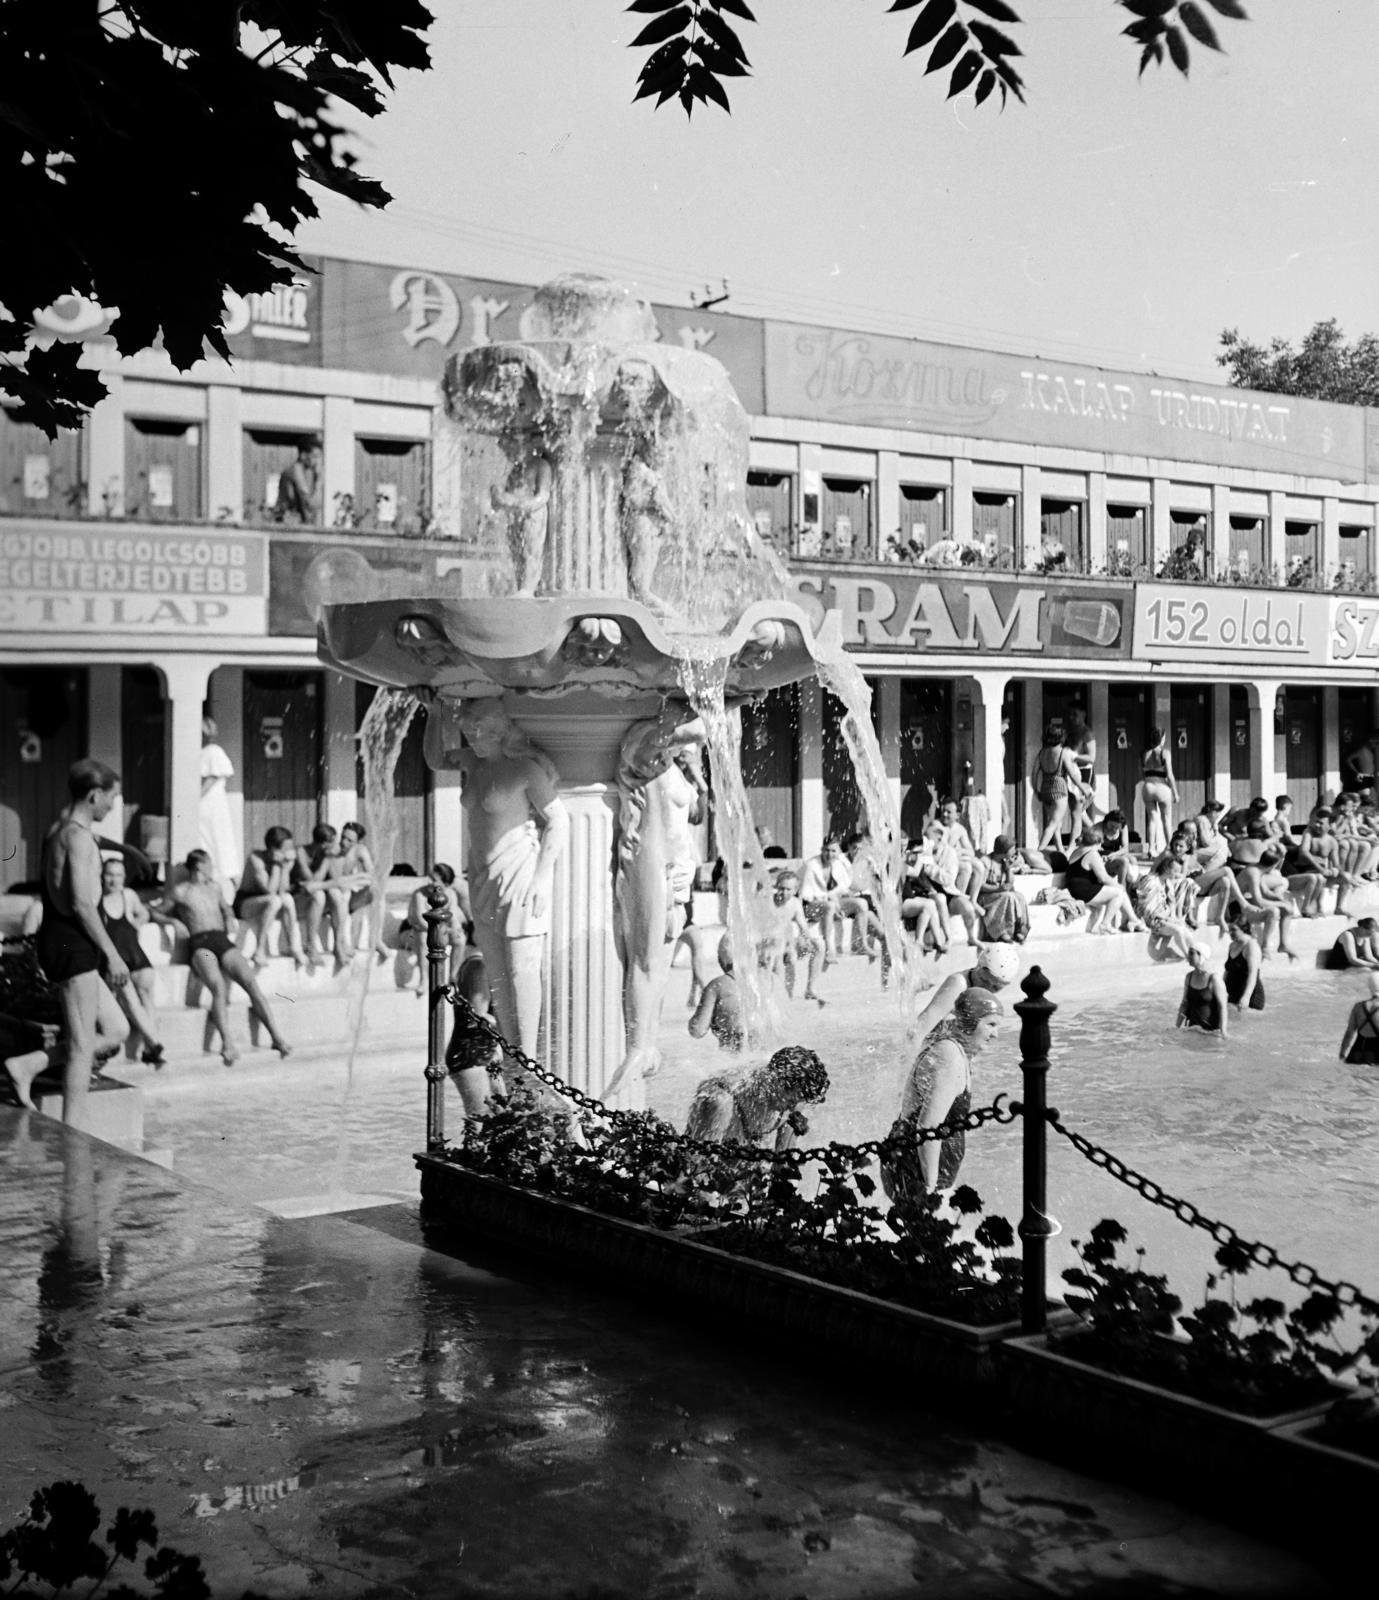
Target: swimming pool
x,y
1267,1130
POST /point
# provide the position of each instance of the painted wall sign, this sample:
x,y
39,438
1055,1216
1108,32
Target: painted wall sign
x,y
1187,623
283,324
411,320
956,615
879,381
107,579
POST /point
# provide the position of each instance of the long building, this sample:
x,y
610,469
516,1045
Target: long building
x,y
1159,553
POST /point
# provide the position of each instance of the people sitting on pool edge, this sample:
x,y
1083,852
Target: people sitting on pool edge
x,y
1356,946
199,904
1244,985
1168,903
1204,993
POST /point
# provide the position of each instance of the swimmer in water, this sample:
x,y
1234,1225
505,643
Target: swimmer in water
x,y
997,965
720,1006
1360,1042
1204,994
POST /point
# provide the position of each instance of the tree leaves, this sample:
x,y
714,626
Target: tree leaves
x,y
697,48
158,158
1322,367
1163,24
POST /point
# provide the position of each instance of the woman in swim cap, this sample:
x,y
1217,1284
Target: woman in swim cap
x,y
939,1090
1204,993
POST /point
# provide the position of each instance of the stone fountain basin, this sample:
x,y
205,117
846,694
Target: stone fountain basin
x,y
472,646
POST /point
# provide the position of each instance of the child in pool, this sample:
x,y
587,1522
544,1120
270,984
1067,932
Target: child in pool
x,y
720,1006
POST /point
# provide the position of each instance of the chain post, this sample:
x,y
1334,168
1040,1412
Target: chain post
x,y
437,976
1036,1225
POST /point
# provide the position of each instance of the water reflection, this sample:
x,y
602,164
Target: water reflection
x,y
74,1271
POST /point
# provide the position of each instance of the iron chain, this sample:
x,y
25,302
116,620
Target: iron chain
x,y
893,1144
1261,1255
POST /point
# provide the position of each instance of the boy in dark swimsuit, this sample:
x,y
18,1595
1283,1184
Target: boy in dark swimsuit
x,y
73,948
199,904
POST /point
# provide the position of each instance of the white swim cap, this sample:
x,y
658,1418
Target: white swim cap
x,y
999,961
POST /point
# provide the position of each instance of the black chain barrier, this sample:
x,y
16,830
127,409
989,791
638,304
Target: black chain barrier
x,y
1258,1254
893,1144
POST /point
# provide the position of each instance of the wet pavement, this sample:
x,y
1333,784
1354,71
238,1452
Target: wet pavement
x,y
324,1405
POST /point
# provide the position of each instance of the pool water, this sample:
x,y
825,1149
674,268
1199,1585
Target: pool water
x,y
1266,1130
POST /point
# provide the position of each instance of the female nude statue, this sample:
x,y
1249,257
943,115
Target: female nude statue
x,y
516,828
526,498
655,862
644,510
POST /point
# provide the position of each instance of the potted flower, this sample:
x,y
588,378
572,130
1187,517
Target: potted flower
x,y
1193,1402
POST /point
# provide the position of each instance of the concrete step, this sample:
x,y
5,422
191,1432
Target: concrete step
x,y
171,983
392,1018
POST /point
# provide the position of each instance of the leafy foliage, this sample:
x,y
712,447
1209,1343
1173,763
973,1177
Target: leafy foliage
x,y
1322,367
1258,1358
693,45
55,1546
914,1254
158,155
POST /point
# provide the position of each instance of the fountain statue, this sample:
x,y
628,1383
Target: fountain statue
x,y
609,608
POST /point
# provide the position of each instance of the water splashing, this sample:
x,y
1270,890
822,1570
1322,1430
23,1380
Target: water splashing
x,y
747,878
843,679
380,739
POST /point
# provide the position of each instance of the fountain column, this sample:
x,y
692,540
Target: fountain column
x,y
582,1024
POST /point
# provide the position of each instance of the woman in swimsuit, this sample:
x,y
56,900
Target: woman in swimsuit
x,y
199,904
1204,994
472,1058
1355,947
938,1090
1360,1042
1244,986
122,914
1212,850
1088,880
1053,778
1082,742
1158,791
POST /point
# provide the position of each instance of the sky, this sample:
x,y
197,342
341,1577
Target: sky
x,y
1112,220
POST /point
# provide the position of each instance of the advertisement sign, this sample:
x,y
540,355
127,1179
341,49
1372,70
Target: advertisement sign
x,y
956,614
410,320
879,381
281,325
104,578
1269,629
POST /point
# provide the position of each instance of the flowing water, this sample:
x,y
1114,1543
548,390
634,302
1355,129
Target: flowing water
x,y
749,905
380,739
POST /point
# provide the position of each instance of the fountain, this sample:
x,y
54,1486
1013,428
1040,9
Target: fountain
x,y
612,612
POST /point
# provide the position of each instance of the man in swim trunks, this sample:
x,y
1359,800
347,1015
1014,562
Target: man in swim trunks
x,y
73,948
199,904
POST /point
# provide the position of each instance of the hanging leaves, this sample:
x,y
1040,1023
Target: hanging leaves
x,y
1161,25
697,47
957,34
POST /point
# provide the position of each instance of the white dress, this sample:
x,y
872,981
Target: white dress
x,y
215,825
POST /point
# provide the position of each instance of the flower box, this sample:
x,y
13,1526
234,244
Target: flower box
x,y
1331,1484
672,1267
1224,1462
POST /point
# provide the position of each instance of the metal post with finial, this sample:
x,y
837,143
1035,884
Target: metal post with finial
x,y
438,1010
1036,1225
